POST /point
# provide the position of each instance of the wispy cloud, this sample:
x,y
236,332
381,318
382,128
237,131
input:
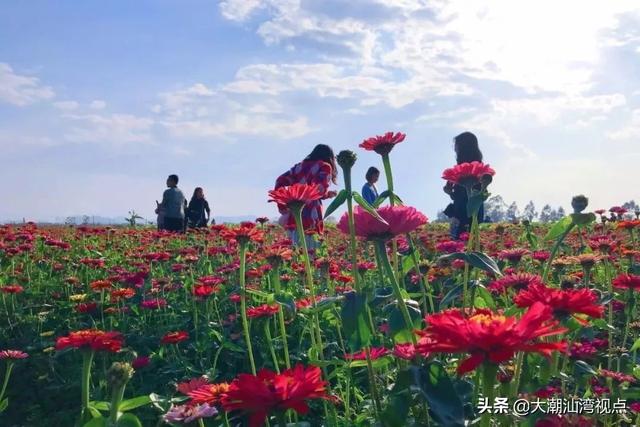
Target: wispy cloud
x,y
21,90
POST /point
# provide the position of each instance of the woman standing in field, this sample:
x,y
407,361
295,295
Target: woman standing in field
x,y
318,168
198,210
467,150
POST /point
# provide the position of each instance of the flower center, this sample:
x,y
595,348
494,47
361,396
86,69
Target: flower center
x,y
487,319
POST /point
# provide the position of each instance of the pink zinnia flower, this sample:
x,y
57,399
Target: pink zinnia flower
x,y
383,144
400,220
467,174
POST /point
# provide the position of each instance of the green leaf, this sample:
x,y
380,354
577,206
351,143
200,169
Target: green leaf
x,y
635,346
96,422
485,295
367,207
287,300
407,265
100,405
398,327
583,218
354,320
380,362
436,387
133,403
4,404
476,259
584,367
381,198
128,420
324,304
474,203
340,198
558,228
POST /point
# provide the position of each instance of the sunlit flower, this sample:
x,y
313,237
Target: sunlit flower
x,y
490,337
467,174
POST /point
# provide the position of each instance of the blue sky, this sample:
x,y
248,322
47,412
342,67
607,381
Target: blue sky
x,y
99,101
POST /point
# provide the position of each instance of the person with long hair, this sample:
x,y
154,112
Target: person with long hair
x,y
198,211
467,150
318,168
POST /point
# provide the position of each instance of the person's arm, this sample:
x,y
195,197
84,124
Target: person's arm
x,y
207,210
323,180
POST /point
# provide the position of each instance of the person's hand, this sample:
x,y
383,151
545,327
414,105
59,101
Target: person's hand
x,y
331,194
448,188
157,210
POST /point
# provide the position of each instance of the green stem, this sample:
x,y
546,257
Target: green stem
x,y
267,335
116,398
352,229
372,384
87,362
243,307
392,201
516,376
489,371
275,277
382,254
554,251
7,374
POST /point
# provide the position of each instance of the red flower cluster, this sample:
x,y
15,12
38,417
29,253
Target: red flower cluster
x,y
91,339
245,233
490,336
267,391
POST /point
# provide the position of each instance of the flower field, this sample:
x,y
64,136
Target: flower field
x,y
387,323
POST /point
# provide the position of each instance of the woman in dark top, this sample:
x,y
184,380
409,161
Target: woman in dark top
x,y
467,150
198,210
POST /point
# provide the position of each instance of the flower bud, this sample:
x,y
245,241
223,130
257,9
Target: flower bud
x,y
119,374
346,159
579,203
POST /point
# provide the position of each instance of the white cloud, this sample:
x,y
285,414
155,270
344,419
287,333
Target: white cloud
x,y
66,105
113,129
239,10
97,104
21,90
631,130
200,112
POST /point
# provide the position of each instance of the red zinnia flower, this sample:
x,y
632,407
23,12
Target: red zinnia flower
x,y
202,291
488,336
450,246
400,220
192,384
516,281
467,174
93,339
295,196
207,393
627,281
512,255
268,391
243,234
140,362
12,289
405,351
263,310
383,144
376,353
99,285
563,302
174,337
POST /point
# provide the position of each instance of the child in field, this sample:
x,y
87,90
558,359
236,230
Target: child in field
x,y
369,190
467,150
173,206
198,210
318,168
